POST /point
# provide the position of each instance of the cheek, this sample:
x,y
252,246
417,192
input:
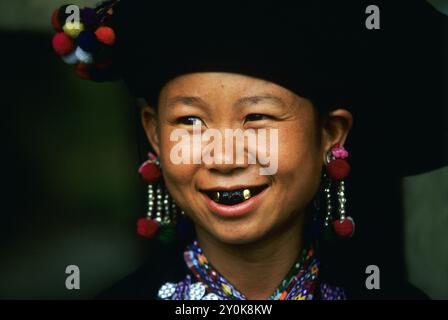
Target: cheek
x,y
298,147
300,162
178,177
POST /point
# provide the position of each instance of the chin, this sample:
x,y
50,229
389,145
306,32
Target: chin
x,y
237,234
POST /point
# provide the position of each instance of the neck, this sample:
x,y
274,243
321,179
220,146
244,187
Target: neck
x,y
255,269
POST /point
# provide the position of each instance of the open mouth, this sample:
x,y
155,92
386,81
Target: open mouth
x,y
236,196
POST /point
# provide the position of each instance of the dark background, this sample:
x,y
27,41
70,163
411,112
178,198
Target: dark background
x,y
71,193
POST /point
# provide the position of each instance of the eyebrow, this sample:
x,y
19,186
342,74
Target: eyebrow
x,y
186,100
261,98
250,100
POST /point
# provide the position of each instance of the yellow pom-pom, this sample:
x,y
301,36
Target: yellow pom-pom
x,y
73,29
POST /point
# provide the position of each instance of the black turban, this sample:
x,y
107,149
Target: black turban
x,y
391,78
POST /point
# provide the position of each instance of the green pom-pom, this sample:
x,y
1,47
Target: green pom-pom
x,y
167,233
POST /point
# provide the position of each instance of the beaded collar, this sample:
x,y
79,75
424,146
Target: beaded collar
x,y
301,282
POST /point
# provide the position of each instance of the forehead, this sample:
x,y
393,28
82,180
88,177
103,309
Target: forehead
x,y
218,85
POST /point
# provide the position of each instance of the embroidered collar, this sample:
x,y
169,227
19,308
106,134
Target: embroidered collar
x,y
301,282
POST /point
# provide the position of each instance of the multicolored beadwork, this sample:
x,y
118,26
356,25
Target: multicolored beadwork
x,y
301,283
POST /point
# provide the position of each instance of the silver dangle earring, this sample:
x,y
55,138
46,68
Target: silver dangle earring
x,y
329,207
337,169
162,214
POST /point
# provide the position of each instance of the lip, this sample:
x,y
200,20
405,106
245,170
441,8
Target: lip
x,y
236,187
236,210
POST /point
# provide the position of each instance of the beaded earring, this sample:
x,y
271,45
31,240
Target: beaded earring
x,y
337,169
162,213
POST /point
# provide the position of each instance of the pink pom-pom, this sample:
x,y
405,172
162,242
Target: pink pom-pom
x,y
151,156
63,44
339,152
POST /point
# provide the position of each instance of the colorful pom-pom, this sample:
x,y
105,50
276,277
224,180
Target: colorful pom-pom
x,y
89,17
105,35
73,29
344,228
338,169
150,172
87,41
88,44
70,58
147,228
339,152
83,56
55,21
83,71
62,44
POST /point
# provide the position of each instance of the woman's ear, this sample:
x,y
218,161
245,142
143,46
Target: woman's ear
x,y
336,127
150,125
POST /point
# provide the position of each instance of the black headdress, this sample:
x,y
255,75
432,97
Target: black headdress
x,y
391,78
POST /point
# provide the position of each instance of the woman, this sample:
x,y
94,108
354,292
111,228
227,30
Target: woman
x,y
246,244
255,67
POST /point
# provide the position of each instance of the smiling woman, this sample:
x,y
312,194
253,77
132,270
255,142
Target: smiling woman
x,y
293,185
247,222
278,100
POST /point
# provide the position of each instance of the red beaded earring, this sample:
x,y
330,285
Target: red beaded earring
x,y
162,211
336,171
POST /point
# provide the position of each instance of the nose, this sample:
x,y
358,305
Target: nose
x,y
224,164
222,154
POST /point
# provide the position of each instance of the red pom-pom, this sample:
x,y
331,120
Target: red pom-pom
x,y
83,71
150,172
105,35
338,169
345,228
63,44
55,21
147,228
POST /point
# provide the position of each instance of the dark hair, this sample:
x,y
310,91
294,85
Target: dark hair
x,y
295,49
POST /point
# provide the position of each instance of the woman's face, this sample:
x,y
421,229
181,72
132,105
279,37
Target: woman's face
x,y
229,101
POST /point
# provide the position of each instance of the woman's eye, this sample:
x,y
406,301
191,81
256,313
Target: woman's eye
x,y
190,120
257,117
